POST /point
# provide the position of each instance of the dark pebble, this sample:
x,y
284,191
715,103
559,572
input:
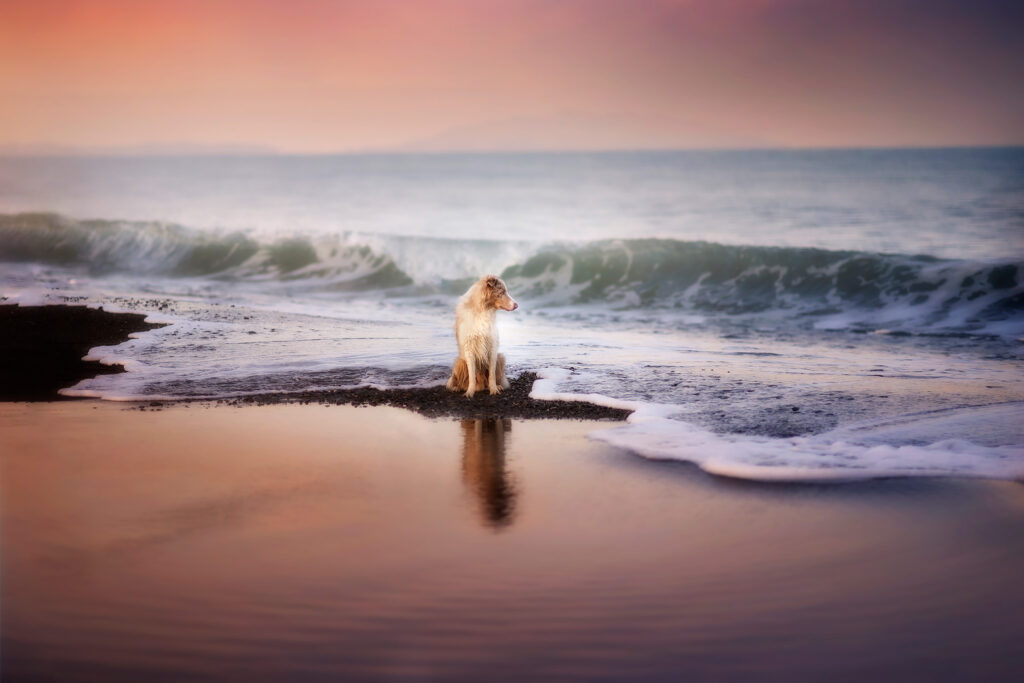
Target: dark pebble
x,y
439,402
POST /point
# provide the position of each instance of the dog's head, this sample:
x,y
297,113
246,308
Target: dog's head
x,y
496,294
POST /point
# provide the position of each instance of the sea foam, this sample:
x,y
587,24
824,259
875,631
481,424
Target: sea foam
x,y
839,456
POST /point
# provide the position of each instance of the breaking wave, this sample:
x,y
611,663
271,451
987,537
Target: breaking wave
x,y
163,249
832,287
821,287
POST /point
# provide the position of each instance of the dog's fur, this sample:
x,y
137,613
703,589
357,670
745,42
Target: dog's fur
x,y
479,364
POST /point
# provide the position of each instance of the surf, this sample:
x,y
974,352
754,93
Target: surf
x,y
799,286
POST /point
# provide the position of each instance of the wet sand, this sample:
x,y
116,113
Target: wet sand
x,y
41,347
315,542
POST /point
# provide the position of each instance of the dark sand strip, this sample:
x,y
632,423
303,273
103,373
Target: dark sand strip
x,y
41,347
438,402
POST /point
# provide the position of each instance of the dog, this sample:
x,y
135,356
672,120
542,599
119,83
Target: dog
x,y
479,364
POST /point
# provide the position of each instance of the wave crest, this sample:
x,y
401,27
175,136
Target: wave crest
x,y
742,280
164,249
828,289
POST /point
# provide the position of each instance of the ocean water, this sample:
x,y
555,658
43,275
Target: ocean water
x,y
770,315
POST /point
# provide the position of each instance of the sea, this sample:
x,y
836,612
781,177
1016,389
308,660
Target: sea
x,y
772,315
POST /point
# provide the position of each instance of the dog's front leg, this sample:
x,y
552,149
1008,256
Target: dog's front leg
x,y
471,368
499,370
492,375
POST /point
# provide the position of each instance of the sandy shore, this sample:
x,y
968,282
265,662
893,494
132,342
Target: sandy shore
x,y
317,542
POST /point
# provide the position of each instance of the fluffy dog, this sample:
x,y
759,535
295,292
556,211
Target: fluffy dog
x,y
479,364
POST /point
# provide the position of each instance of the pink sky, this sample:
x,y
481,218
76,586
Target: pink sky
x,y
326,76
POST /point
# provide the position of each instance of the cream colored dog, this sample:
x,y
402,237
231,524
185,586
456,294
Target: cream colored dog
x,y
479,364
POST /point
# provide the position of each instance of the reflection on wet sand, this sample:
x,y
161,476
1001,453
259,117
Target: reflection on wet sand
x,y
327,543
483,469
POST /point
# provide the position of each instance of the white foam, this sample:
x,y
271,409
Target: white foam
x,y
830,457
548,379
810,459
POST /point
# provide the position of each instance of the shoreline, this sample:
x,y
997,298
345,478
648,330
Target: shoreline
x,y
42,348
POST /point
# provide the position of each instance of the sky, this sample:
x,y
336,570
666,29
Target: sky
x,y
325,76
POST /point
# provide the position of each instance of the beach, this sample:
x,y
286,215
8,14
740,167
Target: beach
x,y
206,542
298,537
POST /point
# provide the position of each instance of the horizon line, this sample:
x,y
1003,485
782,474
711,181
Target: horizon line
x,y
254,151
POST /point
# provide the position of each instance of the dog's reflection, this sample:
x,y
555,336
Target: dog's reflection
x,y
483,469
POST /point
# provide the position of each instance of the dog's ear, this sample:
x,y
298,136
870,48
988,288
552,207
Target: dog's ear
x,y
492,282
